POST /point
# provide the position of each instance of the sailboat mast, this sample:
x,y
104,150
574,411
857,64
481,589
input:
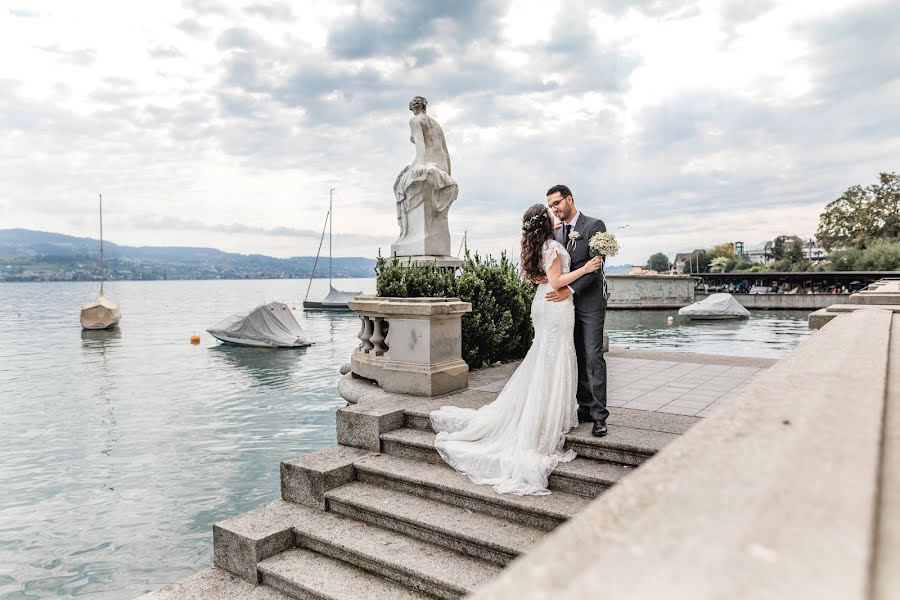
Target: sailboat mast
x,y
330,221
318,252
101,244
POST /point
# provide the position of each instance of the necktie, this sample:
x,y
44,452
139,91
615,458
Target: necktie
x,y
566,229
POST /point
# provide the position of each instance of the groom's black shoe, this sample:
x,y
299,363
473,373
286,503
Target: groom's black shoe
x,y
599,429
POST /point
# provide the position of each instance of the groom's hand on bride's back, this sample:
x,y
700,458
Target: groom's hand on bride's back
x,y
558,295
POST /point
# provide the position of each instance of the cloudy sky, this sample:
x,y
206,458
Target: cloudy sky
x,y
205,123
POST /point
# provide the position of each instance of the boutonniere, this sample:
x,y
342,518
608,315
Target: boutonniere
x,y
574,236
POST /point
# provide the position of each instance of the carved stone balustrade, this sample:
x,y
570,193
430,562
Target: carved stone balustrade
x,y
411,345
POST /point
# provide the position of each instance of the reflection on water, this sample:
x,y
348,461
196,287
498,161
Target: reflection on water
x,y
768,334
120,448
269,366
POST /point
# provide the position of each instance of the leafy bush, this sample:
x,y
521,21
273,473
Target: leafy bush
x,y
880,255
499,326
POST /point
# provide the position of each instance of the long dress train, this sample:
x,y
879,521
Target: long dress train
x,y
515,442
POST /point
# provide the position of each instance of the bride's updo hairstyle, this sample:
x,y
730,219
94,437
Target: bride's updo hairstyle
x,y
536,229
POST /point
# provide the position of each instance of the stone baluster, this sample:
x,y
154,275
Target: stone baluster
x,y
377,339
366,336
362,332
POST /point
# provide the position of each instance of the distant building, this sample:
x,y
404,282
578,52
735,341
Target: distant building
x,y
813,250
681,259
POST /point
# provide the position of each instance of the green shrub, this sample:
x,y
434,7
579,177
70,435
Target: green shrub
x,y
499,326
880,255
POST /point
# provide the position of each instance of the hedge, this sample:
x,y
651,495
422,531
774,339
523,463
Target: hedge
x,y
499,327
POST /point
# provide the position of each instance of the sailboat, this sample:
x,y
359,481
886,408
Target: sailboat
x,y
103,313
335,299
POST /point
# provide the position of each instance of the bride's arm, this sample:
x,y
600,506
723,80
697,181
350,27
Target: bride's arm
x,y
556,279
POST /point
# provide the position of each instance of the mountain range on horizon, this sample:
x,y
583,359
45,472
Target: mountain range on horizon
x,y
29,255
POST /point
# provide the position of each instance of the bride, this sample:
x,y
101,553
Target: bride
x,y
514,442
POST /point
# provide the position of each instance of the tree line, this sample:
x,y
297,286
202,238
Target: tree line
x,y
860,230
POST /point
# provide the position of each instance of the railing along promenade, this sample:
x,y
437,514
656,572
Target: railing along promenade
x,y
791,491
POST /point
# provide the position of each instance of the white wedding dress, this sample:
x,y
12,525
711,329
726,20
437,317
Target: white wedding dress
x,y
514,442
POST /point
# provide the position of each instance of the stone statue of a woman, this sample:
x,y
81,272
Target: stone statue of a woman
x,y
424,190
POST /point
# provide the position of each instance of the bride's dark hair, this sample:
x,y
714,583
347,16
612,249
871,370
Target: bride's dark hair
x,y
537,228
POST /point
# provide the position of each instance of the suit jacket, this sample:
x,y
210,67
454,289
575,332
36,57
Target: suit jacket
x,y
588,289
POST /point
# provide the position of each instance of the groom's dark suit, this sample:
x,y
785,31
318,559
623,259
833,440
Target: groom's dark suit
x,y
590,315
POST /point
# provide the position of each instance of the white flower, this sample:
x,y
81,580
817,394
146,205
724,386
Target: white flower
x,y
574,236
603,244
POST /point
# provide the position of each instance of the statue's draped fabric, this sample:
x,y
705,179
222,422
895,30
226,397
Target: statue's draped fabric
x,y
424,183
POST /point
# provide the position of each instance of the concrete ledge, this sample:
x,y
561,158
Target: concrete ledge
x,y
242,542
305,479
774,496
361,425
409,307
887,538
820,318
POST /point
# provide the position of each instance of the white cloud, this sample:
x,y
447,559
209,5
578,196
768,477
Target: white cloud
x,y
213,124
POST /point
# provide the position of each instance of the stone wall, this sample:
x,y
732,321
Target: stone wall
x,y
650,291
785,301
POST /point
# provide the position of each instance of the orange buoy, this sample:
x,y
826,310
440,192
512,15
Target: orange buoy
x,y
195,339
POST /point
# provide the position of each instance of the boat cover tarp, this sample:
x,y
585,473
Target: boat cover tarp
x,y
101,314
269,325
715,306
338,297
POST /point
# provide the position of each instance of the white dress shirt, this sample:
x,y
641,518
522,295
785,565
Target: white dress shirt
x,y
571,223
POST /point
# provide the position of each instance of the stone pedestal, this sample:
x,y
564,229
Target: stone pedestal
x,y
411,345
427,232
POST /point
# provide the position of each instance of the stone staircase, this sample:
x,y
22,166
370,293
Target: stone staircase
x,y
356,522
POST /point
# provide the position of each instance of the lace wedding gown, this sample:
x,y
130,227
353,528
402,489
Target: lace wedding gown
x,y
514,442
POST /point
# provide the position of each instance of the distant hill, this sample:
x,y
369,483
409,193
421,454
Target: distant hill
x,y
27,255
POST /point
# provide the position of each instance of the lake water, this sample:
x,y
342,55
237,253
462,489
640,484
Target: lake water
x,y
119,450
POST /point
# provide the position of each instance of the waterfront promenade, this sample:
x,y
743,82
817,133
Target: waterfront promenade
x,y
399,524
721,477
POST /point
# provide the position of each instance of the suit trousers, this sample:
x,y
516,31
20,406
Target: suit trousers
x,y
591,393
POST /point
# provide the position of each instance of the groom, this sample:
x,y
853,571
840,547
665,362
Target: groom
x,y
590,307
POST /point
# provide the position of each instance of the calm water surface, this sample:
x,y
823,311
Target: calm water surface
x,y
119,450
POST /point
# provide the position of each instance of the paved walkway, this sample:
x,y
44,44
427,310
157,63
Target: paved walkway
x,y
666,382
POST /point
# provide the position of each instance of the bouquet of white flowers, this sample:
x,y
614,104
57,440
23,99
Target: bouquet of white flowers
x,y
603,243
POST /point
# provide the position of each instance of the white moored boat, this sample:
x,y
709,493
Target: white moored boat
x,y
269,325
716,306
102,313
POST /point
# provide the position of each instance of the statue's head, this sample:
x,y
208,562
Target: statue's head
x,y
418,104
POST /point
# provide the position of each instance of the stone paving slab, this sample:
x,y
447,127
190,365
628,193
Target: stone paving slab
x,y
668,383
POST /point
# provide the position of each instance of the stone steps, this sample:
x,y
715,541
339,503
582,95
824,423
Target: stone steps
x,y
306,575
247,544
472,533
420,565
624,444
585,476
442,483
